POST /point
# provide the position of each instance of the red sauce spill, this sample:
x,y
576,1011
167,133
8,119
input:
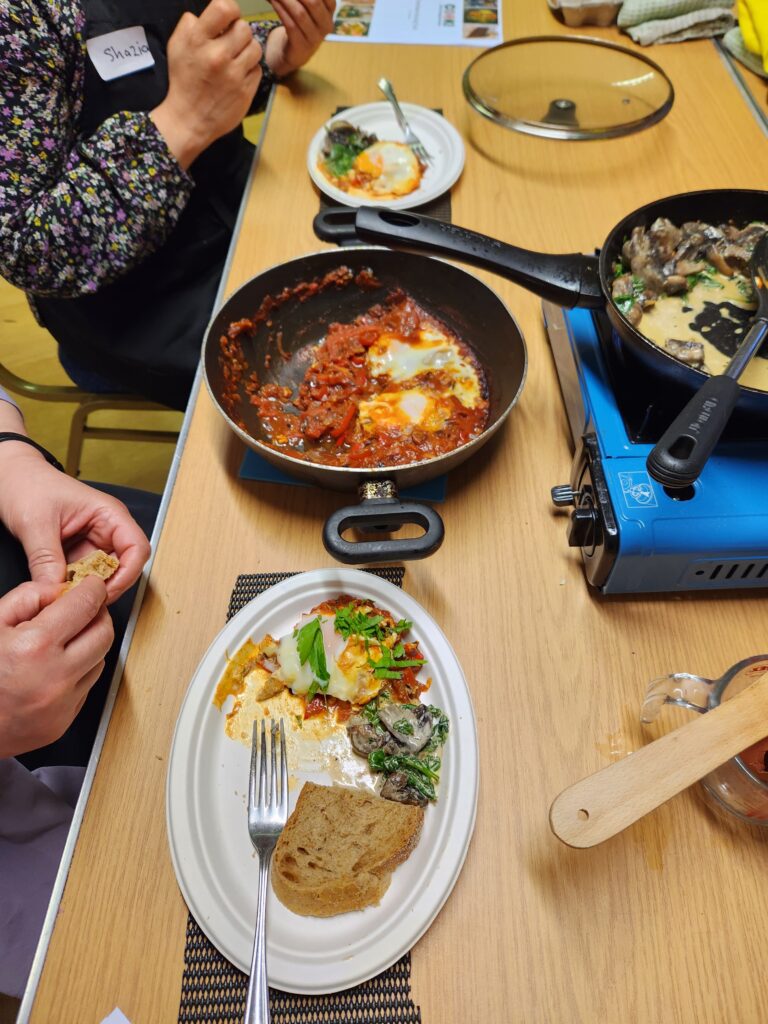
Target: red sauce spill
x,y
320,704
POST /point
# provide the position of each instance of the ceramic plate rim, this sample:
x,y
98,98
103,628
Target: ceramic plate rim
x,y
419,117
395,931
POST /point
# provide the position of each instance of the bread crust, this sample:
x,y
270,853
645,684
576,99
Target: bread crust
x,y
339,849
97,563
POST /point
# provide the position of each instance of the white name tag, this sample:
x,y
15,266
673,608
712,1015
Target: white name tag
x,y
120,53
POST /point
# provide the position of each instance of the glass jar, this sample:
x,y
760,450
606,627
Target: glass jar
x,y
740,786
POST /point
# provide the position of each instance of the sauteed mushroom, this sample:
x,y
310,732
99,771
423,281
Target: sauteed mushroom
x,y
396,788
365,737
410,726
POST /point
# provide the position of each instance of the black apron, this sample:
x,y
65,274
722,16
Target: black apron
x,y
145,330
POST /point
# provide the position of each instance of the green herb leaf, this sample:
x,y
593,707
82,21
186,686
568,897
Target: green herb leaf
x,y
703,277
350,621
439,729
421,773
370,712
403,726
390,666
310,646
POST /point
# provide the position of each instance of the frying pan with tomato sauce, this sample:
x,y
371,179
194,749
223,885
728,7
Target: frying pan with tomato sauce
x,y
576,279
281,349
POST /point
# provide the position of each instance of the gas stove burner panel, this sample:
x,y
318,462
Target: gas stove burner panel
x,y
636,536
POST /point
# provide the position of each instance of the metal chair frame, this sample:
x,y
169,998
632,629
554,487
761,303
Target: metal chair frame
x,y
87,403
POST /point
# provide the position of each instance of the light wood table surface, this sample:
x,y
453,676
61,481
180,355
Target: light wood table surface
x,y
664,923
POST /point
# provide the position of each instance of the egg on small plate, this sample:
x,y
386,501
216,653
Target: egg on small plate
x,y
362,165
360,158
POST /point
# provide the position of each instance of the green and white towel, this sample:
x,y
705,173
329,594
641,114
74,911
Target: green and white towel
x,y
672,21
733,41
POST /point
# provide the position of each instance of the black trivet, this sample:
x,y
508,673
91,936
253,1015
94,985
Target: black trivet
x,y
213,991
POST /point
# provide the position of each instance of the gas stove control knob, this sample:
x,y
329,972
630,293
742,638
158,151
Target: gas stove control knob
x,y
581,532
563,495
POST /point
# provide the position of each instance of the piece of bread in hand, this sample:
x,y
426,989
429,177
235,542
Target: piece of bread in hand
x,y
339,849
97,563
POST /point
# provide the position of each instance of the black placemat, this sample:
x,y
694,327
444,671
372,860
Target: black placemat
x,y
439,208
213,991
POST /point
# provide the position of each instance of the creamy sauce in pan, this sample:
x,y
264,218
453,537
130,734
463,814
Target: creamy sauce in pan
x,y
700,314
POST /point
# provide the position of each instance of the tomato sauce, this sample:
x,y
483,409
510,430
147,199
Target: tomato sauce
x,y
320,421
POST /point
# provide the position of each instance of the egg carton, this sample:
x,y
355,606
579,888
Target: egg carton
x,y
586,12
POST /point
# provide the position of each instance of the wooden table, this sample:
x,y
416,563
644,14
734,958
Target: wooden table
x,y
662,924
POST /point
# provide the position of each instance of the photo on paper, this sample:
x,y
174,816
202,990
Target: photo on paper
x,y
353,27
447,15
363,12
488,15
480,32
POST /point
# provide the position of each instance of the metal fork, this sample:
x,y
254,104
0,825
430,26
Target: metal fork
x,y
267,815
411,138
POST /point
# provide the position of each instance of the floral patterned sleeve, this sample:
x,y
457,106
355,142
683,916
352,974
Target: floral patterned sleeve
x,y
74,213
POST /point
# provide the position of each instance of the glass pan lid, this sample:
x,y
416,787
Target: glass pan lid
x,y
568,87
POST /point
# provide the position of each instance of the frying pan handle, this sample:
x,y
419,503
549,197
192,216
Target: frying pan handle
x,y
387,515
336,224
568,280
681,453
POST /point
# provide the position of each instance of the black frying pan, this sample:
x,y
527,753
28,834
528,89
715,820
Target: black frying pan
x,y
574,279
462,302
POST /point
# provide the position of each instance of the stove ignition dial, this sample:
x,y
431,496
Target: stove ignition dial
x,y
585,518
583,527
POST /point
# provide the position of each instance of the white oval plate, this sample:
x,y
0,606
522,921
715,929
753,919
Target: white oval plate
x,y
440,138
206,806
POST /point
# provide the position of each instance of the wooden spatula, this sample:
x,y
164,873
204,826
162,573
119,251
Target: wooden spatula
x,y
605,803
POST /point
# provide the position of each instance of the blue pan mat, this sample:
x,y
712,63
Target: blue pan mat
x,y
254,467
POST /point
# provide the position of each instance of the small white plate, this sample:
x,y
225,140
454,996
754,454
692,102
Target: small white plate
x,y
206,806
440,139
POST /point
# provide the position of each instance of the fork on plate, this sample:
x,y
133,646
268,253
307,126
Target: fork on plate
x,y
267,815
411,138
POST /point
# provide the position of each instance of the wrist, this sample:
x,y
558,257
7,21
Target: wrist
x,y
179,132
19,452
274,53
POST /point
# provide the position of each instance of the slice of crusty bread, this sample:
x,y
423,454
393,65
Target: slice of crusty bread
x,y
339,849
98,563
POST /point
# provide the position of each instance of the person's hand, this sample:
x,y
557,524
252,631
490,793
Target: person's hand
x,y
305,23
51,653
213,75
58,519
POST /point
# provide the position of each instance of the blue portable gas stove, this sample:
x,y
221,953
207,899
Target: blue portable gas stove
x,y
635,535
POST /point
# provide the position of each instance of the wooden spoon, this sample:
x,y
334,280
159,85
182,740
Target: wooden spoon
x,y
605,803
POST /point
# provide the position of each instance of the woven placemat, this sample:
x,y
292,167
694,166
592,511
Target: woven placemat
x,y
213,991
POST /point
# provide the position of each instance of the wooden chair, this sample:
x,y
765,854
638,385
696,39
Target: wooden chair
x,y
88,402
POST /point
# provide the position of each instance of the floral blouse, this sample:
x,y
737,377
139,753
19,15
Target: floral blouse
x,y
75,213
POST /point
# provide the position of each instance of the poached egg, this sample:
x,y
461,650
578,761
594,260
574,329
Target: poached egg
x,y
391,167
351,676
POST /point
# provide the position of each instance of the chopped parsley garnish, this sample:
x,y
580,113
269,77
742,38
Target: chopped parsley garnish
x,y
704,277
625,302
350,621
390,663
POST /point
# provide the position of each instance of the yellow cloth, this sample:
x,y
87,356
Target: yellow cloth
x,y
753,22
